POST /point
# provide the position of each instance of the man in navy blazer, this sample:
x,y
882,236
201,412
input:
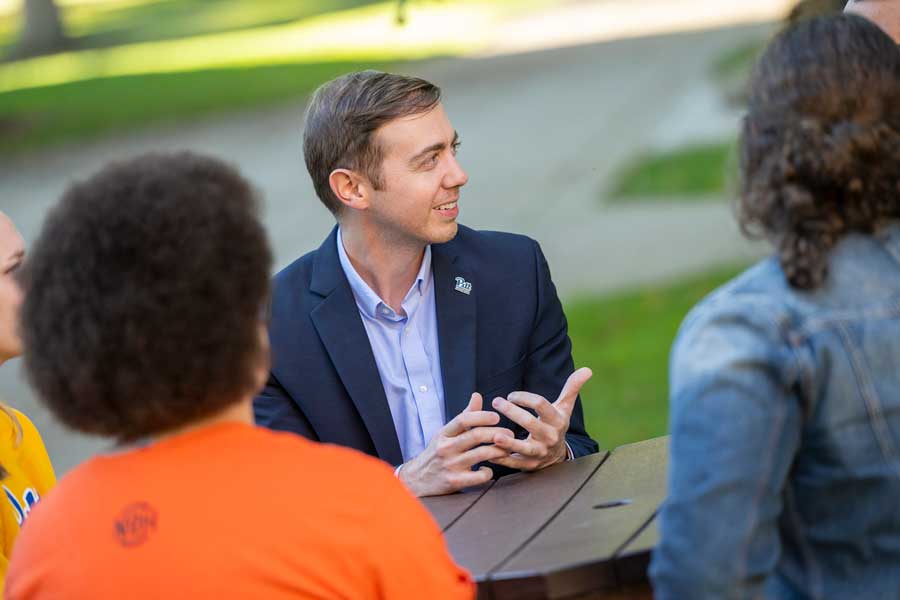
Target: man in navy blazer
x,y
390,337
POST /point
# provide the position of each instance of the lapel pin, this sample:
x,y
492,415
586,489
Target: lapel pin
x,y
463,286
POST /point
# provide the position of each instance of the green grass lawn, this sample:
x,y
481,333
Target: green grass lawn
x,y
701,171
625,339
105,23
40,116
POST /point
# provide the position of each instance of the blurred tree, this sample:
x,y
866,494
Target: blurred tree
x,y
42,29
401,12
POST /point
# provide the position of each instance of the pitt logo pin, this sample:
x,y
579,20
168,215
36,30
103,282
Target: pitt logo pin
x,y
463,286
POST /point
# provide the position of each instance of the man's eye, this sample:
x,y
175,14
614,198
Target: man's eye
x,y
433,159
456,146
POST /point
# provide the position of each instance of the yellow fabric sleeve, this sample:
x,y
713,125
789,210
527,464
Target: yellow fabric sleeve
x,y
34,460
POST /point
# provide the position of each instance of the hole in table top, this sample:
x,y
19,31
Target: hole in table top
x,y
613,503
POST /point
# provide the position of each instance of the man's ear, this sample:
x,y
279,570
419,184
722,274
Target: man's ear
x,y
350,188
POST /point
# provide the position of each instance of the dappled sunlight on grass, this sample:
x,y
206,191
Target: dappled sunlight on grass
x,y
364,33
47,115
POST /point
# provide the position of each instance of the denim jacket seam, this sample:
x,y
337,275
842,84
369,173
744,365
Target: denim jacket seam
x,y
837,319
871,400
801,372
815,570
762,484
785,331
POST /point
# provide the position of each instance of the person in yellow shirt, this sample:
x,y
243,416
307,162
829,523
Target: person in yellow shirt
x,y
25,470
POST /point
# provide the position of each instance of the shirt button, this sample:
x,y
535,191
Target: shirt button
x,y
423,388
385,310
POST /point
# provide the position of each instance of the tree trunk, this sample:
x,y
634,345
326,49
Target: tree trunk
x,y
42,30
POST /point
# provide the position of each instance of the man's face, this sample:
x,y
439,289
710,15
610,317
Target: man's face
x,y
420,179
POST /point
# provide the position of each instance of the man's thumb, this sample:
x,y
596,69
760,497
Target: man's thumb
x,y
569,393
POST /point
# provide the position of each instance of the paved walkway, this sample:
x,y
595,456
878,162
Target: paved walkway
x,y
542,135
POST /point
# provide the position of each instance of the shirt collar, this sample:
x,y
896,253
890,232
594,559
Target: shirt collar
x,y
366,299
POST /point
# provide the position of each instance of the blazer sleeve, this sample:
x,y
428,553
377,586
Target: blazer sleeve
x,y
550,355
275,409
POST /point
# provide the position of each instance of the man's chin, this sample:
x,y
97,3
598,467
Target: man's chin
x,y
445,234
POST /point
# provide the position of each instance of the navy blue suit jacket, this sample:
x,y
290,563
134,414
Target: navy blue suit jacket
x,y
508,334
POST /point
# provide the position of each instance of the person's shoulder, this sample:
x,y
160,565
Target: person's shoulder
x,y
292,284
33,454
70,500
353,464
751,315
298,271
29,430
320,460
504,250
494,240
758,294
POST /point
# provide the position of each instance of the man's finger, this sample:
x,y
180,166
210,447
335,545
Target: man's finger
x,y
521,463
566,401
474,403
473,478
479,435
523,418
466,420
546,411
480,454
528,448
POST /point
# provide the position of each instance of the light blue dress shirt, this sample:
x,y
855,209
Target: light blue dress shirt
x,y
406,353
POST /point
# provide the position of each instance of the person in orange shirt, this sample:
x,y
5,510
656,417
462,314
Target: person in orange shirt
x,y
25,470
143,320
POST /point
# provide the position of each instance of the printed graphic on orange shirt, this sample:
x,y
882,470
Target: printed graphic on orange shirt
x,y
22,508
135,524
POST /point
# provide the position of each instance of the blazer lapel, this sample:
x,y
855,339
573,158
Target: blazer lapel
x,y
341,330
456,318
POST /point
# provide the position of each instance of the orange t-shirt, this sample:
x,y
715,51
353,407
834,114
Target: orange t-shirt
x,y
233,511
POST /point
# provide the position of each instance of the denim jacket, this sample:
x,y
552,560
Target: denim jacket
x,y
785,450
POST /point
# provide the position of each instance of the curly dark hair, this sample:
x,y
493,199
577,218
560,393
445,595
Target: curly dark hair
x,y
821,141
144,295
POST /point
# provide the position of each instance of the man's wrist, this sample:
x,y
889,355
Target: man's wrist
x,y
565,455
401,473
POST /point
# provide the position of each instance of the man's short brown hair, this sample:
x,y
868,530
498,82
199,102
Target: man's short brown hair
x,y
144,295
344,115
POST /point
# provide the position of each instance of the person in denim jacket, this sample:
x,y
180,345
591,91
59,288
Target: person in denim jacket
x,y
785,383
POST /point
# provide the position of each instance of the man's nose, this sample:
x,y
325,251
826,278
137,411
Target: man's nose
x,y
456,176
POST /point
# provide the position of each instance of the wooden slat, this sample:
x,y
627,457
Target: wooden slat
x,y
632,559
511,511
447,509
574,553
